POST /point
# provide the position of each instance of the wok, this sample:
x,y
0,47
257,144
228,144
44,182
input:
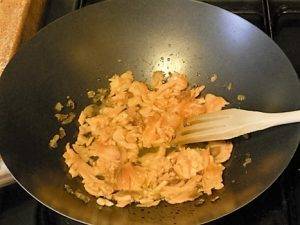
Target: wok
x,y
81,50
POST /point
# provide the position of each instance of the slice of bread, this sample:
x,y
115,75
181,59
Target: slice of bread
x,y
19,20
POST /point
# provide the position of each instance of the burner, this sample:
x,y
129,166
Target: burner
x,y
286,20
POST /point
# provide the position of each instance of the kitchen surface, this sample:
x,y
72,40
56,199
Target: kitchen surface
x,y
278,205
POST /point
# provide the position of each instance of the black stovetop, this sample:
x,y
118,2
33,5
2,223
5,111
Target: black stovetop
x,y
279,205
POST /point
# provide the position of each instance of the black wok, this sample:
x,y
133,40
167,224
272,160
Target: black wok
x,y
79,51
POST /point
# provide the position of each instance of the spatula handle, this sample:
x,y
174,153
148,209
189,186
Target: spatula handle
x,y
284,118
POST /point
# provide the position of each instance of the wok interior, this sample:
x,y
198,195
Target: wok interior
x,y
84,49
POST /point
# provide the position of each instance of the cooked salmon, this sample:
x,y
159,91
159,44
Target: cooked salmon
x,y
121,149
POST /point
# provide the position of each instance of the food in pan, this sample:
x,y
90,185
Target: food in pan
x,y
123,151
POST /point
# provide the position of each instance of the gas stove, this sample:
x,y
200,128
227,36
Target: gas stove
x,y
279,205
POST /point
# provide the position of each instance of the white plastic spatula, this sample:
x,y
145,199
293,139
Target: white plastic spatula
x,y
230,123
